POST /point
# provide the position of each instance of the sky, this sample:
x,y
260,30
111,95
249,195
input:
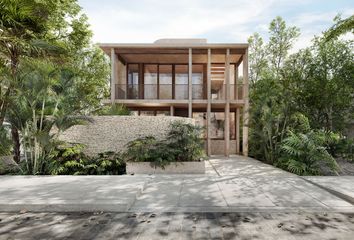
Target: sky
x,y
219,21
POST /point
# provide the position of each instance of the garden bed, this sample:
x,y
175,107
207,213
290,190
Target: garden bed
x,y
197,167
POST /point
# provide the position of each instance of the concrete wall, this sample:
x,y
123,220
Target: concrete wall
x,y
112,133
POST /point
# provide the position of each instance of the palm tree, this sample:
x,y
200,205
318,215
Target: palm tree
x,y
42,105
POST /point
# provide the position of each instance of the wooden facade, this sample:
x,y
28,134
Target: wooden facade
x,y
186,78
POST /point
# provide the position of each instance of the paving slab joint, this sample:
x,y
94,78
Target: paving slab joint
x,y
139,193
340,195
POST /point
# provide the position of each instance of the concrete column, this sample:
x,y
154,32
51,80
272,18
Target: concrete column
x,y
235,83
113,75
227,105
237,113
209,102
190,83
238,130
172,110
246,105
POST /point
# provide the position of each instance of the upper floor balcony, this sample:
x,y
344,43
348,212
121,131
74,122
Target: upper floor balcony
x,y
176,92
178,71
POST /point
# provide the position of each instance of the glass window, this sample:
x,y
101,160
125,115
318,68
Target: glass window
x,y
150,81
181,81
162,113
133,81
165,79
197,81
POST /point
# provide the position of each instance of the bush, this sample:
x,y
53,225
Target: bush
x,y
345,149
185,140
113,110
5,142
307,153
183,143
70,160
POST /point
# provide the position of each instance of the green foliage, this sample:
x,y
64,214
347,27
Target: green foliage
x,y
344,148
183,143
321,83
114,109
340,27
50,74
311,89
185,139
149,149
257,57
70,160
5,142
281,40
306,154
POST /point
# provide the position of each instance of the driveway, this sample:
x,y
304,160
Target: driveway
x,y
235,184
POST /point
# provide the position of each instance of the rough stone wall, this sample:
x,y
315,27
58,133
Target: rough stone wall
x,y
112,133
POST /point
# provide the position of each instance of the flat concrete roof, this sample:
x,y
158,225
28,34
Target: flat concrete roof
x,y
178,45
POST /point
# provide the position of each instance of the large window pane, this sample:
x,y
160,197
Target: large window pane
x,y
181,81
197,81
150,81
165,79
133,81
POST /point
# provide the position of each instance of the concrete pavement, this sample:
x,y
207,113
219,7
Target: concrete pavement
x,y
236,184
139,226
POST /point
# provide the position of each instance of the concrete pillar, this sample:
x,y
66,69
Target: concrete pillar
x,y
209,102
235,83
172,110
246,105
238,130
113,75
190,83
227,105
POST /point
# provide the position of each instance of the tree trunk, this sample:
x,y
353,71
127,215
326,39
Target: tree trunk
x,y
17,145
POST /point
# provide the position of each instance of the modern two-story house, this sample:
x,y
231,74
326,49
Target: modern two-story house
x,y
187,78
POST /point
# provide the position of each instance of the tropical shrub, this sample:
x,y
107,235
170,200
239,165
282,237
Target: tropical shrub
x,y
70,160
345,149
114,109
307,153
5,142
149,149
183,143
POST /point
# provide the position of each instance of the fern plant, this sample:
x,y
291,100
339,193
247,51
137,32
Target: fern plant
x,y
306,153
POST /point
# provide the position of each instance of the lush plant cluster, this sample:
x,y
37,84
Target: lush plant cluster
x,y
5,142
113,110
72,161
69,159
300,101
51,76
307,153
183,143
